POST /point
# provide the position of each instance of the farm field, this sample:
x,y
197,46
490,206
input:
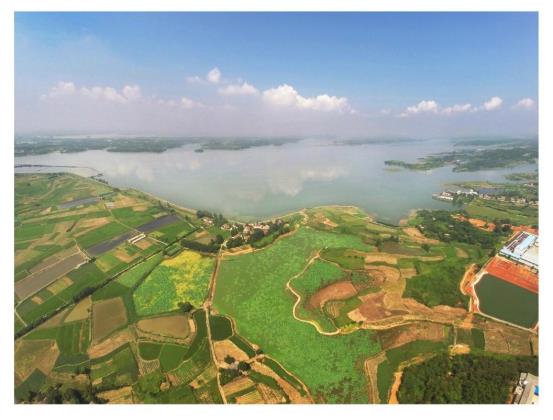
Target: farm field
x,y
331,370
183,278
134,322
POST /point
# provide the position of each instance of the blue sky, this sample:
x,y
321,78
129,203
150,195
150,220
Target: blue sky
x,y
394,73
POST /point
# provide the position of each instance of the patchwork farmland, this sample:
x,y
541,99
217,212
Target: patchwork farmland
x,y
153,312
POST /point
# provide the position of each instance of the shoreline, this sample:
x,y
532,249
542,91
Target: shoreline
x,y
233,218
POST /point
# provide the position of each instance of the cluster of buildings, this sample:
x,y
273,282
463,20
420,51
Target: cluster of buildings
x,y
483,193
523,248
527,390
136,238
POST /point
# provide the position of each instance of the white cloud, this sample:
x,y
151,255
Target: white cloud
x,y
426,106
132,92
189,103
103,92
61,89
457,108
286,96
423,106
194,79
492,104
214,75
526,103
432,107
243,89
106,93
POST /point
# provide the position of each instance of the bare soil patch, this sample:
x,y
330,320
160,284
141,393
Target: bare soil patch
x,y
381,257
336,291
107,316
398,336
253,397
293,394
395,387
228,348
407,273
173,326
270,395
36,281
107,346
371,371
461,253
80,311
373,308
417,236
35,354
143,243
118,396
237,385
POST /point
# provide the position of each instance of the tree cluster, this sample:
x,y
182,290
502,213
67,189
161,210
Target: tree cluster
x,y
463,379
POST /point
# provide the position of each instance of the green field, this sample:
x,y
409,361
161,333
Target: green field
x,y
220,326
318,275
507,301
344,257
251,289
438,283
101,234
184,278
490,211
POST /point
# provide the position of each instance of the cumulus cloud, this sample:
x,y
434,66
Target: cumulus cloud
x,y
432,107
423,107
61,89
286,96
214,75
107,93
526,103
188,103
194,79
132,92
457,108
243,89
492,104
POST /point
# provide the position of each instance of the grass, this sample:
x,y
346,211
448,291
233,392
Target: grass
x,y
27,232
318,275
489,211
275,367
344,257
101,234
32,384
243,345
173,231
116,369
478,339
251,289
184,278
170,356
221,327
135,218
415,348
69,338
136,274
384,376
149,351
438,284
507,301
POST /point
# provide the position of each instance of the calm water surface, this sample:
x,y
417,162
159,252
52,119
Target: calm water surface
x,y
268,181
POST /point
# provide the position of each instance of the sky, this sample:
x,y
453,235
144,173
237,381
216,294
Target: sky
x,y
277,74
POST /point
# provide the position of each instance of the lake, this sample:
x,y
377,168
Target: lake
x,y
263,182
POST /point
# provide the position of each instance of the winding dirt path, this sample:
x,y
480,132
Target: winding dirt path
x,y
298,298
